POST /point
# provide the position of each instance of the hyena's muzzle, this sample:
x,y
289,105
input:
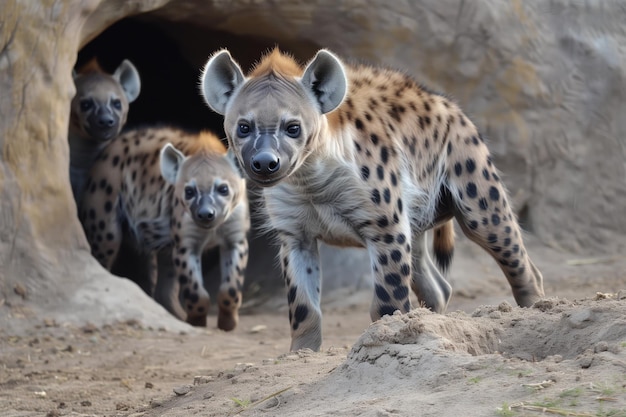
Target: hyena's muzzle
x,y
263,160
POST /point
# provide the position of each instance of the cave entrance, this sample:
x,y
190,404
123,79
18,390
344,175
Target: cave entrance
x,y
169,57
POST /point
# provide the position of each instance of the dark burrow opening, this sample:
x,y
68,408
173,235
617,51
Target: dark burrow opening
x,y
169,57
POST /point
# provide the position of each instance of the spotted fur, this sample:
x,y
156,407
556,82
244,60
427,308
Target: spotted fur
x,y
98,113
362,156
176,191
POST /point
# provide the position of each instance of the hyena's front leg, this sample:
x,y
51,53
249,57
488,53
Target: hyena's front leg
x,y
188,270
390,255
427,282
233,263
302,273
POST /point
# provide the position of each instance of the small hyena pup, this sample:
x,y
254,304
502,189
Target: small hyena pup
x,y
362,156
98,113
176,191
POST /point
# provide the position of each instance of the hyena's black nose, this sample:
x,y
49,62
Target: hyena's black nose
x,y
206,214
105,121
265,163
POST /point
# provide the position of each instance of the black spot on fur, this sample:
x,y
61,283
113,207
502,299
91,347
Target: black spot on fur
x,y
495,220
301,313
116,160
470,165
382,259
375,196
381,172
393,279
405,270
396,255
470,190
486,174
387,195
401,293
492,238
494,194
394,179
482,203
291,296
400,205
384,154
382,293
383,221
458,169
388,238
365,173
385,310
473,225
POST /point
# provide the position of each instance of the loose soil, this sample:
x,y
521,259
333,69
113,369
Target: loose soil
x,y
485,357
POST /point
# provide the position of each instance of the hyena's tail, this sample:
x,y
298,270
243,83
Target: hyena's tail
x,y
443,245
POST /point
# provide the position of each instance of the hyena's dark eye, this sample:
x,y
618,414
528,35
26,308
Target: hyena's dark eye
x,y
223,190
293,130
190,192
243,130
86,105
116,103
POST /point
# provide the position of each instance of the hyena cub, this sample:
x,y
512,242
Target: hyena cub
x,y
98,113
178,191
363,156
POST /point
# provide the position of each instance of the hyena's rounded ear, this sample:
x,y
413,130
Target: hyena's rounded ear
x,y
170,162
220,78
326,78
128,77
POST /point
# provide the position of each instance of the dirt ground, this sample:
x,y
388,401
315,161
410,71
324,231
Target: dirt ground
x,y
566,356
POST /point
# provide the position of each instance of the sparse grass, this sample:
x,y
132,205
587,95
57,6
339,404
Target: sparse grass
x,y
604,389
474,380
547,403
611,413
572,395
505,411
603,393
241,403
244,404
572,392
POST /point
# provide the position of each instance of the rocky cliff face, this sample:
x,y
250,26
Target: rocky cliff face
x,y
544,80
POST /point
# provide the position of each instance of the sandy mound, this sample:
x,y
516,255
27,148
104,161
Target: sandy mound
x,y
559,357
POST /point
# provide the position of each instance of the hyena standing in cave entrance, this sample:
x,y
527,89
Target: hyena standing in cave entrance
x,y
98,113
363,156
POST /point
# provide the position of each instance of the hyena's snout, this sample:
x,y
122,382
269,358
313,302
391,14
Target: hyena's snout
x,y
264,162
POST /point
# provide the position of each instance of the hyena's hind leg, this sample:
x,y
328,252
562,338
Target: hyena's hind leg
x,y
427,282
166,287
485,216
